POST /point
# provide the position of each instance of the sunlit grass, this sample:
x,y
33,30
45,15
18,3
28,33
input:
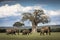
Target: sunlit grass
x,y
35,36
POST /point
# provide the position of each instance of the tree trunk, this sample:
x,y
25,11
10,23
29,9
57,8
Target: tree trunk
x,y
34,28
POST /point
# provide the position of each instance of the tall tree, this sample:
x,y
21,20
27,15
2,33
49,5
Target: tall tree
x,y
38,16
18,24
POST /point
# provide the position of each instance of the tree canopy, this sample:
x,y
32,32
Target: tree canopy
x,y
38,16
18,24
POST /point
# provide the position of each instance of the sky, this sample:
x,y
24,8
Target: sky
x,y
11,11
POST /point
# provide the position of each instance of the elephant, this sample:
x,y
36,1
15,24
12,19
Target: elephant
x,y
46,30
12,31
26,32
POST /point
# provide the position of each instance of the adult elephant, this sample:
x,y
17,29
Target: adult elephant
x,y
26,32
12,31
46,30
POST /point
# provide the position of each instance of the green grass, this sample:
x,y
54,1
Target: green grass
x,y
35,36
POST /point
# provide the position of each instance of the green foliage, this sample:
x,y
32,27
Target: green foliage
x,y
2,30
55,30
38,16
18,24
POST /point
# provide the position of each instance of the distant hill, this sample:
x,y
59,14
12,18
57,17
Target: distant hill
x,y
52,26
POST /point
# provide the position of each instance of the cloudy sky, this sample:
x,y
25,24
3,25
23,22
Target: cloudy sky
x,y
11,10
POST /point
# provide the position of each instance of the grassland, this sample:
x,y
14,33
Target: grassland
x,y
35,36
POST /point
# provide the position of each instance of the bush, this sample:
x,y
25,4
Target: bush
x,y
56,30
2,30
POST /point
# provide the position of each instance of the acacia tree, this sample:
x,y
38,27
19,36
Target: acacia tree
x,y
38,16
18,24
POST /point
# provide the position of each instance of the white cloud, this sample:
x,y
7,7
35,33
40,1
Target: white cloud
x,y
54,13
13,10
52,23
8,10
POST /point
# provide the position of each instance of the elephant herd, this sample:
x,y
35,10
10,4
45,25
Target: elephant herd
x,y
43,31
16,31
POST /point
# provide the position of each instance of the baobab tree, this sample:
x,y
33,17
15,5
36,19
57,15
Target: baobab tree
x,y
38,16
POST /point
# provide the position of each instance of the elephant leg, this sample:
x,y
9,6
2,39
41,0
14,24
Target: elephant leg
x,y
43,33
49,32
7,33
46,32
40,33
28,33
14,33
